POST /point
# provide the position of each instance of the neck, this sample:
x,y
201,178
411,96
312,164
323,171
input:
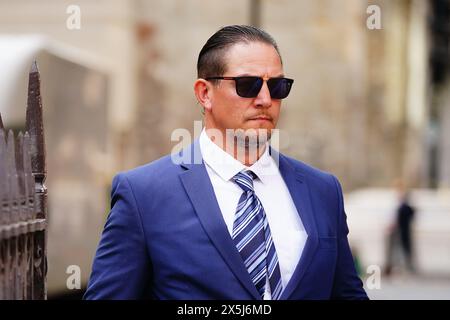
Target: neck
x,y
241,150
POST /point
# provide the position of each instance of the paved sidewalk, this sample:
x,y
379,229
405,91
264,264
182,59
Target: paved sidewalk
x,y
412,287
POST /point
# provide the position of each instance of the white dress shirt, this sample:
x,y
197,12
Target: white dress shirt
x,y
288,233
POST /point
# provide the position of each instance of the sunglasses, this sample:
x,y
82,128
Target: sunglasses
x,y
249,87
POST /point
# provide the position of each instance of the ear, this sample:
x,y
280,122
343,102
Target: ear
x,y
203,92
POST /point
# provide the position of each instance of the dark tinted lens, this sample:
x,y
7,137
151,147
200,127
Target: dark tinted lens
x,y
248,87
279,87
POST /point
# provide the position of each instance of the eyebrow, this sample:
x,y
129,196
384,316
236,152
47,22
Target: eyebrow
x,y
281,75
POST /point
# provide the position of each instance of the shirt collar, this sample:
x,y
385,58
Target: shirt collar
x,y
226,166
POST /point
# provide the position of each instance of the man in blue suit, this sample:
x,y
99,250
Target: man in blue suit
x,y
243,222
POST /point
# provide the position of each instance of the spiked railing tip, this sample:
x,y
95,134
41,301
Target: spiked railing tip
x,y
34,122
34,67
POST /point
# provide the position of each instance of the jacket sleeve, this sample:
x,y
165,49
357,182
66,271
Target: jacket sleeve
x,y
347,284
121,267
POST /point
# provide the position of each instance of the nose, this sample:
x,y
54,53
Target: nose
x,y
263,98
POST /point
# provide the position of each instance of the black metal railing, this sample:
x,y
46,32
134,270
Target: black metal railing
x,y
23,204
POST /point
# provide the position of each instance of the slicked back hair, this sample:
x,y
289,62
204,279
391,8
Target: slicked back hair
x,y
211,60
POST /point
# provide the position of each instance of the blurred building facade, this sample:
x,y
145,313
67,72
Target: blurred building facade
x,y
362,102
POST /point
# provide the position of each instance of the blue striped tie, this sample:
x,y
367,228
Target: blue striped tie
x,y
252,237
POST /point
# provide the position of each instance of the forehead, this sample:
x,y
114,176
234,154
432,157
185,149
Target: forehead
x,y
253,58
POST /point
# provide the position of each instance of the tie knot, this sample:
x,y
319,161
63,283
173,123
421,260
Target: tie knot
x,y
244,179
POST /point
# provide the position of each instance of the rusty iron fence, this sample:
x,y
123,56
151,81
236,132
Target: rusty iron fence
x,y
23,204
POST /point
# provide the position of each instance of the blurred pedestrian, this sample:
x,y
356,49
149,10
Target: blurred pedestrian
x,y
399,236
405,216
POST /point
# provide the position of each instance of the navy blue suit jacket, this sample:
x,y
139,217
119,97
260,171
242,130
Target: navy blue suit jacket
x,y
165,237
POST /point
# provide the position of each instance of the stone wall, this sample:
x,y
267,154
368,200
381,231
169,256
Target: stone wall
x,y
352,102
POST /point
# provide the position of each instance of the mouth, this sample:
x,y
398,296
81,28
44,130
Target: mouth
x,y
261,118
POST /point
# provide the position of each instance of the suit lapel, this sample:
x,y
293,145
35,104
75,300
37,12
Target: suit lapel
x,y
201,193
298,188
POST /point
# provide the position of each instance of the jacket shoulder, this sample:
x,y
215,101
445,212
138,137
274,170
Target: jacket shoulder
x,y
165,167
310,172
150,175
